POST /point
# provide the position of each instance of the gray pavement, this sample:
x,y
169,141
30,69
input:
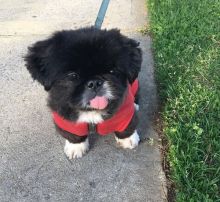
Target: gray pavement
x,y
33,166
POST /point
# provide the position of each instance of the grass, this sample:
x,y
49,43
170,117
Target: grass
x,y
186,45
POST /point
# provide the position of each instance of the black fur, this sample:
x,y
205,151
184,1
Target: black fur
x,y
71,137
68,60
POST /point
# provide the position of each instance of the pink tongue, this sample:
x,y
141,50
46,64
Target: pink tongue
x,y
99,102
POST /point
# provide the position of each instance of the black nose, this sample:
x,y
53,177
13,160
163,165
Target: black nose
x,y
94,84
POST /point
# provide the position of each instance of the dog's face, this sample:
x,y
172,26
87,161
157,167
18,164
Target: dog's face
x,y
85,69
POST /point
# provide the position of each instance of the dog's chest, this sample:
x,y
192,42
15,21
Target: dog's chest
x,y
90,117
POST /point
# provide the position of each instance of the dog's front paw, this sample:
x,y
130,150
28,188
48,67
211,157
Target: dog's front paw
x,y
76,150
129,142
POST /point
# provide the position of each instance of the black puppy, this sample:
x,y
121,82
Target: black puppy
x,y
89,75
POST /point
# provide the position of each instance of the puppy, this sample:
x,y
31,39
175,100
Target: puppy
x,y
91,79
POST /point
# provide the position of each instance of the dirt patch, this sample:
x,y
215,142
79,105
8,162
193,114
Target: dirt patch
x,y
158,124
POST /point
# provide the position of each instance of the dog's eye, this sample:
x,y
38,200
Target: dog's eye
x,y
73,75
113,72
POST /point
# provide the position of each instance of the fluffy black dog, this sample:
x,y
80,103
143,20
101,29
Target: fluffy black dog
x,y
87,73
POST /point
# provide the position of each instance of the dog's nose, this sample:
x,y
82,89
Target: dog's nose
x,y
94,84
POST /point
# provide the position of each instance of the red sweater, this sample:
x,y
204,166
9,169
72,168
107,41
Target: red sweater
x,y
117,123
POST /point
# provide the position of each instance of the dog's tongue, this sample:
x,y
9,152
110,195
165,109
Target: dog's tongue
x,y
99,102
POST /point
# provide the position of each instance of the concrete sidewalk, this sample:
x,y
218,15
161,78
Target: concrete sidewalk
x,y
33,166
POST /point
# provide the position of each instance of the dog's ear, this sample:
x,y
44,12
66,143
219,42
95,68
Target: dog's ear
x,y
37,62
133,57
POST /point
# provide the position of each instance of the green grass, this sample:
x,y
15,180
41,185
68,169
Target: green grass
x,y
186,45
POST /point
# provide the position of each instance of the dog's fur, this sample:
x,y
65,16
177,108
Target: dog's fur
x,y
66,62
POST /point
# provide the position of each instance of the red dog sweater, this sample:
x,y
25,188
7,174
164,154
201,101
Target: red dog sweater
x,y
117,123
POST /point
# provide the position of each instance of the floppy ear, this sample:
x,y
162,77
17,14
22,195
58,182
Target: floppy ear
x,y
134,58
37,62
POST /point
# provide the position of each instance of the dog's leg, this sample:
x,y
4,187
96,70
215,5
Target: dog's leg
x,y
75,146
136,106
129,138
76,150
136,101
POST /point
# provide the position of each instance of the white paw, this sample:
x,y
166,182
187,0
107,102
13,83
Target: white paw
x,y
76,150
136,106
129,142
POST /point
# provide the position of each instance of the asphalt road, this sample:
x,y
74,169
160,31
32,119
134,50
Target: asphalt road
x,y
33,166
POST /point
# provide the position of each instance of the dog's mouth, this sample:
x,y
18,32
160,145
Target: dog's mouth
x,y
99,102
